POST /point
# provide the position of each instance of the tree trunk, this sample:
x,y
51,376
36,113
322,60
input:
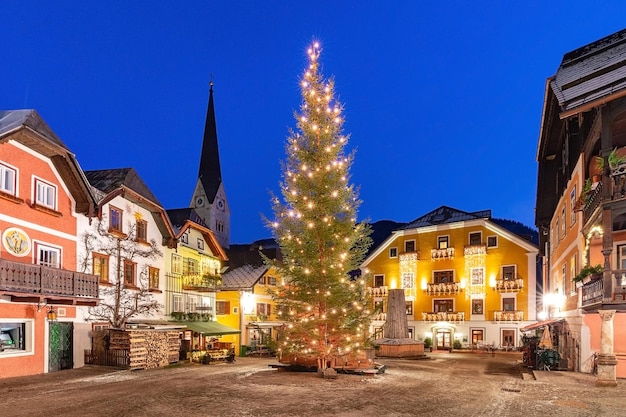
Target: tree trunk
x,y
396,326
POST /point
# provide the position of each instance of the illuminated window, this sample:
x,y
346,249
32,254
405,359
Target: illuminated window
x,y
177,264
509,273
153,277
443,242
177,303
508,304
443,306
572,204
443,277
409,308
8,179
101,266
478,276
407,280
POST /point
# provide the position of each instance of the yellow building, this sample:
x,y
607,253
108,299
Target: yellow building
x,y
245,301
468,281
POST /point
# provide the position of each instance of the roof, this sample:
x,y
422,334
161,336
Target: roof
x,y
540,324
250,254
108,180
243,277
28,128
210,173
179,217
209,328
445,215
591,73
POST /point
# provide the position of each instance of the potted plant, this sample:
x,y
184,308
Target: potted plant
x,y
586,272
428,343
613,159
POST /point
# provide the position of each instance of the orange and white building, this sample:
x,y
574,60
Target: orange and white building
x,y
43,191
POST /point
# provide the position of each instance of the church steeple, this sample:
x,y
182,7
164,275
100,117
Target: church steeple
x,y
210,171
209,197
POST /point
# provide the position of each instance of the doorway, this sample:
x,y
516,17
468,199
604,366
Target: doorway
x,y
60,346
444,338
508,339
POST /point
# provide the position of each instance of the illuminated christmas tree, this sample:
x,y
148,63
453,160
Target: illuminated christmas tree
x,y
326,310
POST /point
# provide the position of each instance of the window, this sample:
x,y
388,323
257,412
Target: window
x,y
572,273
563,221
409,308
200,244
508,304
393,252
379,306
407,280
621,250
7,180
492,241
475,238
153,277
379,280
263,309
557,230
478,276
129,272
222,307
572,204
48,256
177,303
101,266
142,231
16,337
193,302
443,277
46,194
443,242
409,246
271,280
508,273
477,337
115,219
442,306
190,266
477,306
177,264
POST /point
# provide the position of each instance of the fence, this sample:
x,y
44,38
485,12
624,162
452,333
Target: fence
x,y
118,357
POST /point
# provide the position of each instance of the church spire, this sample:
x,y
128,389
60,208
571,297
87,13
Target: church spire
x,y
210,173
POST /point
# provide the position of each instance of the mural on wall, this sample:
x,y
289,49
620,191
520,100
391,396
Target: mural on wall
x,y
16,241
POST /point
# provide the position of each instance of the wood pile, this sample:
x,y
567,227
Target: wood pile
x,y
148,348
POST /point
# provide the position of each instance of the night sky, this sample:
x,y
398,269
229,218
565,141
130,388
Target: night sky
x,y
442,100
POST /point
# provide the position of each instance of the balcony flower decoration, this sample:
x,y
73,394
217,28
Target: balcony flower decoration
x,y
587,271
615,161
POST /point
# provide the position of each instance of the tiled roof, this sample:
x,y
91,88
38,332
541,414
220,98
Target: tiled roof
x,y
107,180
591,72
13,119
445,214
180,216
243,277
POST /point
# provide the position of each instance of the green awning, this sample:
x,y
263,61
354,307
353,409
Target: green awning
x,y
210,328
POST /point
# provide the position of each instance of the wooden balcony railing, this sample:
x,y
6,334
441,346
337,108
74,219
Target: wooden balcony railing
x,y
509,285
201,282
504,315
593,291
456,316
443,288
440,254
35,280
475,250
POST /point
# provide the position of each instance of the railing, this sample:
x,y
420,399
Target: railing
x,y
200,282
443,288
475,250
440,254
378,291
380,317
456,316
593,291
42,280
509,285
116,357
505,315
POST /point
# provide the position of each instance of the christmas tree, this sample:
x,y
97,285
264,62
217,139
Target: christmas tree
x,y
324,306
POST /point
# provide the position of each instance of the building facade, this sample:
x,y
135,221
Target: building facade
x,y
581,205
468,281
43,192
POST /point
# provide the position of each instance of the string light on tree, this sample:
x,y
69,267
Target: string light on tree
x,y
315,226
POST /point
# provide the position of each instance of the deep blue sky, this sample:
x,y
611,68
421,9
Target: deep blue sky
x,y
443,99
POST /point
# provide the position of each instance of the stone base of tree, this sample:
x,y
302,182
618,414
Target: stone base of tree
x,y
399,348
359,361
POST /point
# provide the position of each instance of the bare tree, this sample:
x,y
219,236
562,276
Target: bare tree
x,y
121,300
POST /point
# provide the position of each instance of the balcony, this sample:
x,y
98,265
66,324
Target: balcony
x,y
509,285
35,283
500,316
470,250
201,282
454,316
443,288
378,291
441,254
595,294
